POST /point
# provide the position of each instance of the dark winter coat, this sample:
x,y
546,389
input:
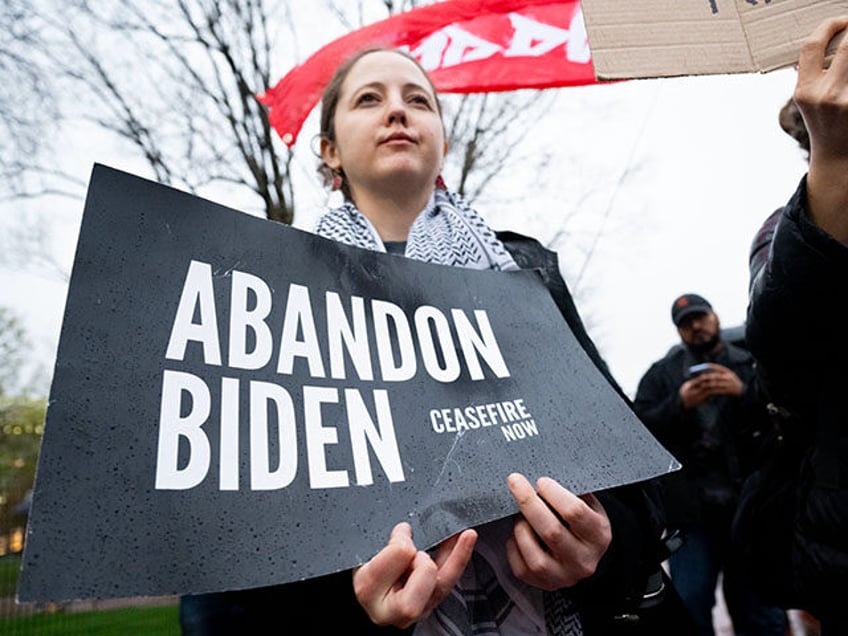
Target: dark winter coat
x,y
797,328
715,442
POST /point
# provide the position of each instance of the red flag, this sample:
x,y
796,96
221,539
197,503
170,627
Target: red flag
x,y
467,46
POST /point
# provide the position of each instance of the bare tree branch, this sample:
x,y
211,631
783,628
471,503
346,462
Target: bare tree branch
x,y
27,107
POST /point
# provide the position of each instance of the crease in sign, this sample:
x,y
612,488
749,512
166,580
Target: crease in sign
x,y
449,458
227,273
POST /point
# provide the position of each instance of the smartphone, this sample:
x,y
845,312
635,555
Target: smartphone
x,y
697,369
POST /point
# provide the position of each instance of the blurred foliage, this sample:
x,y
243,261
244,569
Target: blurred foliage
x,y
21,425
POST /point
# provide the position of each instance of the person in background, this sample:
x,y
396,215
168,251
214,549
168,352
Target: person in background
x,y
796,322
701,403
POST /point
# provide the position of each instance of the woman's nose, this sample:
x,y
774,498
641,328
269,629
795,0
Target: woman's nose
x,y
396,112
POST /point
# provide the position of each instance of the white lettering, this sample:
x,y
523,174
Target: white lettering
x,y
481,415
298,317
519,430
493,413
522,410
251,340
512,416
466,47
511,411
532,38
229,447
184,453
429,52
243,320
485,343
341,337
451,46
319,436
461,422
435,415
382,441
197,294
384,312
262,477
578,40
173,426
425,315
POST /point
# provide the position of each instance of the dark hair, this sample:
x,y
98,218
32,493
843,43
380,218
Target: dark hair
x,y
330,102
793,124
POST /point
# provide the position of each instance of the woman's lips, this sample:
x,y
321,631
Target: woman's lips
x,y
398,138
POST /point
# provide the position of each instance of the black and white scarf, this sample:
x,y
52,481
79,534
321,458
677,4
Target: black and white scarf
x,y
447,232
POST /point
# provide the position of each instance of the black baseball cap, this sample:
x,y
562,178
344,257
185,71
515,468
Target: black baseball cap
x,y
688,304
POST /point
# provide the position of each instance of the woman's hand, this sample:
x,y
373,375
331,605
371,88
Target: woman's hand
x,y
821,93
401,584
559,538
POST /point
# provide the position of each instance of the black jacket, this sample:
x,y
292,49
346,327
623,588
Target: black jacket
x,y
796,328
327,605
715,442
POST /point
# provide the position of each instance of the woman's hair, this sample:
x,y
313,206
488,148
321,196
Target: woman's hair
x,y
793,124
330,103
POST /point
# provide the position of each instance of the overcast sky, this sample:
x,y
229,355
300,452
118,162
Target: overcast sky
x,y
705,162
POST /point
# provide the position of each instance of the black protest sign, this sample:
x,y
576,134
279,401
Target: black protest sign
x,y
237,403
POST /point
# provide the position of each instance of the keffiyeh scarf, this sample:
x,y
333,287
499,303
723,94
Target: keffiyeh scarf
x,y
447,232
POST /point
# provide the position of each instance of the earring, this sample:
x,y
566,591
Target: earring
x,y
337,181
440,183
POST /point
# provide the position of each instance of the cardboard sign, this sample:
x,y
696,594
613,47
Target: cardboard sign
x,y
663,38
237,403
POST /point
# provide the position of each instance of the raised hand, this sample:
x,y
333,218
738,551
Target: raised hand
x,y
559,538
401,585
821,93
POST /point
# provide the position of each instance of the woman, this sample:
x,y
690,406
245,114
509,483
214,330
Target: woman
x,y
565,559
567,564
796,323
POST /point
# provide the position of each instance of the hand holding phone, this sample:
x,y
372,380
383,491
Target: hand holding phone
x,y
698,369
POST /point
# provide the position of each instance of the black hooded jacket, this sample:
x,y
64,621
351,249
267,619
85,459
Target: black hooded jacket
x,y
796,328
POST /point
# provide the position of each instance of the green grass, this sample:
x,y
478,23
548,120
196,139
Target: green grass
x,y
131,621
141,621
9,567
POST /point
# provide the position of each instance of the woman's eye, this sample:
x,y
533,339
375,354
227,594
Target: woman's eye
x,y
423,100
366,98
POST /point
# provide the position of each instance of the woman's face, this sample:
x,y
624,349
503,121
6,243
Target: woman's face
x,y
388,130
